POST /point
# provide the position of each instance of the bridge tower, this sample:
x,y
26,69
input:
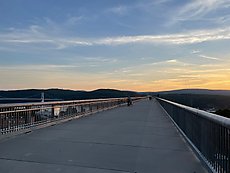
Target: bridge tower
x,y
43,97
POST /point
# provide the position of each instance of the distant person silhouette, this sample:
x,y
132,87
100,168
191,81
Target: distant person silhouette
x,y
129,101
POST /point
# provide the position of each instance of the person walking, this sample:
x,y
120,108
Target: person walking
x,y
129,101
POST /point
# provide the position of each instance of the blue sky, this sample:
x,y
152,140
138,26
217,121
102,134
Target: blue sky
x,y
141,45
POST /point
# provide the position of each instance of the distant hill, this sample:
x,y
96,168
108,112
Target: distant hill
x,y
199,91
205,99
204,102
61,94
194,91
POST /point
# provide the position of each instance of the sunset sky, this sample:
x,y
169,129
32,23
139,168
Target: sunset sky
x,y
141,45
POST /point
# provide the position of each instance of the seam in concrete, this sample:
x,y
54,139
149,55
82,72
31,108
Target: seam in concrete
x,y
63,164
123,145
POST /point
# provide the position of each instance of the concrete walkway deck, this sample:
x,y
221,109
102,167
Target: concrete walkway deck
x,y
136,139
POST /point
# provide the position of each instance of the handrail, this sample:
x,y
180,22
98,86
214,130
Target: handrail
x,y
207,133
59,102
210,116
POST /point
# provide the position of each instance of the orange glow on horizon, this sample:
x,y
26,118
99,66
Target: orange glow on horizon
x,y
171,77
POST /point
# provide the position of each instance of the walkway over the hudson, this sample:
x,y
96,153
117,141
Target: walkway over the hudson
x,y
140,138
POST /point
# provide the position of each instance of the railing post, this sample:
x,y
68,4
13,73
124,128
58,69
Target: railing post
x,y
52,111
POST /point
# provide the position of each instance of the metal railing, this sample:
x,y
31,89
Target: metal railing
x,y
208,134
15,117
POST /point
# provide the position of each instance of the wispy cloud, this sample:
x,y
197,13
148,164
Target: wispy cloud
x,y
172,61
209,57
139,6
101,59
34,35
192,37
195,51
161,1
74,20
38,67
199,8
37,35
118,10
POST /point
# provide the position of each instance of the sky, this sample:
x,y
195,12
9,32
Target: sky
x,y
141,45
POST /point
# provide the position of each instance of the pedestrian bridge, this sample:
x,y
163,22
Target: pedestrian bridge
x,y
141,138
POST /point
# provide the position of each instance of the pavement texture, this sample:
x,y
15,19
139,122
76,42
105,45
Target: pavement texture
x,y
135,139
